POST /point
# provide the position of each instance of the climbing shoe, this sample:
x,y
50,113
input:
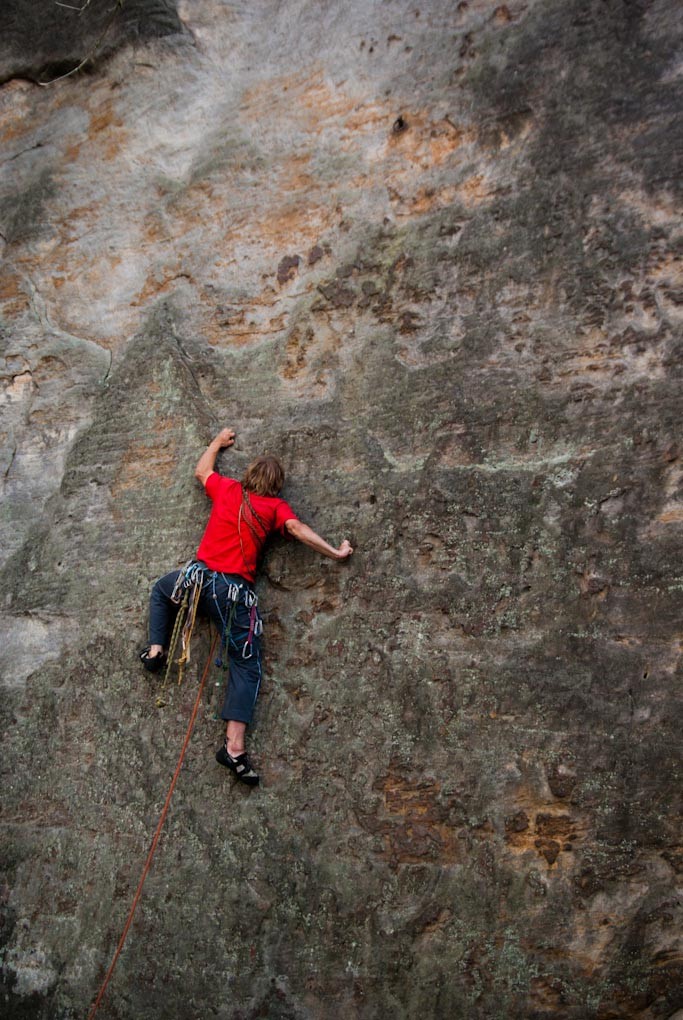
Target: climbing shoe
x,y
240,765
154,663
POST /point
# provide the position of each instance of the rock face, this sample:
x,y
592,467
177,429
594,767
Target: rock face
x,y
430,255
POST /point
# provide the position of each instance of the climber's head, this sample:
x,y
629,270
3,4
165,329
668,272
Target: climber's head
x,y
264,476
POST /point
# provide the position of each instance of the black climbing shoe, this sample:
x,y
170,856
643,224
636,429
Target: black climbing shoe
x,y
240,765
153,663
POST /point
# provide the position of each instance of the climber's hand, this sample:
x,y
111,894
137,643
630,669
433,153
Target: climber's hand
x,y
226,437
345,550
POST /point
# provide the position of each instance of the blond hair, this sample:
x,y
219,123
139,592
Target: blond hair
x,y
264,476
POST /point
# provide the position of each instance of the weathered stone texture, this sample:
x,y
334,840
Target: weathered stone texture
x,y
431,255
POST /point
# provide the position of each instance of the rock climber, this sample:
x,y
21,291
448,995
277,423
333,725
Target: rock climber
x,y
242,517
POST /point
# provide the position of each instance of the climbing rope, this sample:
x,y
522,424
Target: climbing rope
x,y
186,593
177,627
157,834
186,634
257,538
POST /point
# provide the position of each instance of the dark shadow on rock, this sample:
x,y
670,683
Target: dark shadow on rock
x,y
42,41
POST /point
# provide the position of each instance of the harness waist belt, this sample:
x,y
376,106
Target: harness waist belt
x,y
197,573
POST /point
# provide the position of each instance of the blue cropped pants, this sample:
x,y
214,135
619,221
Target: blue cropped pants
x,y
242,642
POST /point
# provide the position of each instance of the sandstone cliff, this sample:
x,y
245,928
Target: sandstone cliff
x,y
429,253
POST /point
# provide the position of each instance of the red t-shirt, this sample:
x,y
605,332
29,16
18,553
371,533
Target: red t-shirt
x,y
234,537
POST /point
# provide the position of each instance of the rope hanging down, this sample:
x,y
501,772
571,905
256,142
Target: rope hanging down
x,y
186,593
157,834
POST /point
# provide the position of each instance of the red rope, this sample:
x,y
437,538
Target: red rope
x,y
157,834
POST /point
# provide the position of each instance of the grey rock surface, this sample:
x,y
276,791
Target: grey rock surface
x,y
430,254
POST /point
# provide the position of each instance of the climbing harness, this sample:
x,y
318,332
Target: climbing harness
x,y
194,578
157,834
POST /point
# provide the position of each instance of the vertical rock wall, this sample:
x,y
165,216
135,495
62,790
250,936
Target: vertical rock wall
x,y
430,255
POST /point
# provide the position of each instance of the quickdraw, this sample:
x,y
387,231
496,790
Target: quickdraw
x,y
255,630
191,574
234,593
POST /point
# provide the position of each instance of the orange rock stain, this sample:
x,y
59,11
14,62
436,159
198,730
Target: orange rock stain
x,y
107,130
475,190
13,297
427,143
159,458
413,822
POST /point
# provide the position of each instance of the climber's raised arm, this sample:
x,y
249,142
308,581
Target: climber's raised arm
x,y
297,529
207,461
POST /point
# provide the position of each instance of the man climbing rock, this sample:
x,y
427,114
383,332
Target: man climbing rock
x,y
242,517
